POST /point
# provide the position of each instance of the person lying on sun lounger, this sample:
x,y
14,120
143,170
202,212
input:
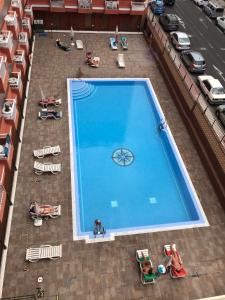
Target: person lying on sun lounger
x,y
146,266
174,264
62,45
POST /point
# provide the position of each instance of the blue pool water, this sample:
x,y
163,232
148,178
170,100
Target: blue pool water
x,y
127,171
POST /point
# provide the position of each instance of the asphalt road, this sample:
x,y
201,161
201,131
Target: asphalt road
x,y
205,36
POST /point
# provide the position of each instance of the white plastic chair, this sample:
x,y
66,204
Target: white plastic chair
x,y
47,150
44,251
40,168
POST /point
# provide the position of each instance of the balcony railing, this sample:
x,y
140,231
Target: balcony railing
x,y
10,18
111,5
25,22
19,57
16,3
57,3
138,6
4,145
23,37
15,80
9,109
6,39
84,4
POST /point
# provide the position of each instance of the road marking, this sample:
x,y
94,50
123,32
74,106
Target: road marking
x,y
210,45
219,72
202,21
223,49
219,30
181,22
203,49
209,19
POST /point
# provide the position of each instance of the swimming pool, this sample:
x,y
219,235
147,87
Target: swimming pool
x,y
126,169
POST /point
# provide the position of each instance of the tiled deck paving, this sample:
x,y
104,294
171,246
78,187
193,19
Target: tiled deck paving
x,y
107,270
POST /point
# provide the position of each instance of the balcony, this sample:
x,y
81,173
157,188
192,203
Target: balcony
x,y
28,11
19,57
111,7
84,6
57,5
9,109
16,3
26,23
4,146
11,19
6,39
15,80
138,8
23,39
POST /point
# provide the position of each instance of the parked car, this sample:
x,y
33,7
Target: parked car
x,y
180,40
212,89
220,22
194,61
169,22
220,112
212,10
201,2
169,2
157,7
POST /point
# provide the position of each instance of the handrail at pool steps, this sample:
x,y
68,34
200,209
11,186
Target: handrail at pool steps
x,y
201,123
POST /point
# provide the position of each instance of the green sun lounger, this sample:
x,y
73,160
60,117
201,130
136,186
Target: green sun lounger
x,y
124,42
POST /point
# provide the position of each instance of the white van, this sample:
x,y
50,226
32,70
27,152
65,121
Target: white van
x,y
213,10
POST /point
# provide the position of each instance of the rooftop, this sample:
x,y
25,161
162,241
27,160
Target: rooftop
x,y
104,270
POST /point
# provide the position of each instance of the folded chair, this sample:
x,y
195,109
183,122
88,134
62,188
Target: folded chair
x,y
121,61
79,44
44,251
40,168
175,264
143,258
47,150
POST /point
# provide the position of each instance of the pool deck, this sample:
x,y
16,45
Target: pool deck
x,y
108,270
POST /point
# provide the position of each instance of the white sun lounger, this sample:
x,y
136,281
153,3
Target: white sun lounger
x,y
40,168
47,150
44,251
121,61
79,44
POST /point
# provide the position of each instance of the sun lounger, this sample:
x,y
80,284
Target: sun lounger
x,y
47,150
79,44
45,251
40,168
124,43
121,61
62,45
44,211
49,114
113,43
143,257
175,264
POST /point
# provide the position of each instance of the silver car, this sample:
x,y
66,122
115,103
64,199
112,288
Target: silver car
x,y
220,22
180,40
220,112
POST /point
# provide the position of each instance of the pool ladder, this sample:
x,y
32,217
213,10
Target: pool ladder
x,y
82,90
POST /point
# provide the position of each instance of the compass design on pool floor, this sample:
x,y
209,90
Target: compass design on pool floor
x,y
123,157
